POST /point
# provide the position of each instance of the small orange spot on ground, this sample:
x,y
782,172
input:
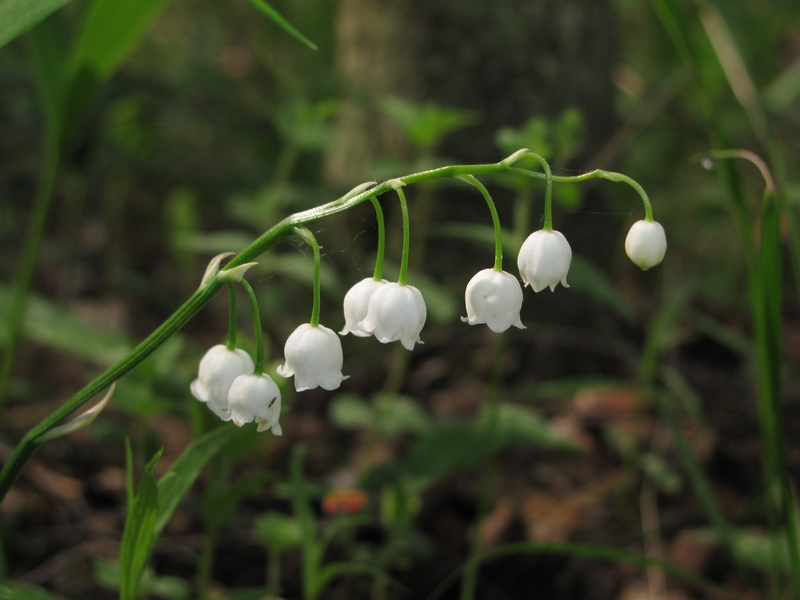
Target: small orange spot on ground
x,y
343,501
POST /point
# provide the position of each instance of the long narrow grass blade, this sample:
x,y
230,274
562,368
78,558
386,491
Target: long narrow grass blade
x,y
273,14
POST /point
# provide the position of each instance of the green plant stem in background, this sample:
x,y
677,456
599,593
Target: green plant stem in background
x,y
33,240
231,345
498,232
309,239
30,442
259,334
378,273
406,236
764,283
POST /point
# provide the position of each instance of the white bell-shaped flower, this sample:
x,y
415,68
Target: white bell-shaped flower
x,y
495,298
256,398
395,312
356,302
314,356
544,260
218,368
646,244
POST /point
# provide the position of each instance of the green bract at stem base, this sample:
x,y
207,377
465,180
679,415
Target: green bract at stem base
x,y
30,442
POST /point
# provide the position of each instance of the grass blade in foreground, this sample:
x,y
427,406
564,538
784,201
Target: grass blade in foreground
x,y
139,535
17,16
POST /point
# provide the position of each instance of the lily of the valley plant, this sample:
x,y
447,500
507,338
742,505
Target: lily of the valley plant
x,y
235,387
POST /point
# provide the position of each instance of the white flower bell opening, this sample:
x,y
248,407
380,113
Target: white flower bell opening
x,y
218,368
356,302
646,244
256,398
314,356
495,298
395,312
544,259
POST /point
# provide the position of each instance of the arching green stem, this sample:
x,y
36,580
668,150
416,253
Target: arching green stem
x,y
406,236
231,345
498,232
309,239
769,182
32,440
259,368
378,273
548,190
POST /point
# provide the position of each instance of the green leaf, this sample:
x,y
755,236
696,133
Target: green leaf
x,y
785,89
273,14
448,448
22,591
522,425
426,124
17,16
139,535
395,414
453,446
48,43
185,470
110,32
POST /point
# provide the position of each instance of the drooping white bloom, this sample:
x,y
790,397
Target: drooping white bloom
x,y
495,298
356,302
314,356
256,398
218,368
395,312
544,260
646,244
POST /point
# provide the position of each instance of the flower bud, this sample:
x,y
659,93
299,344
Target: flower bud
x,y
256,398
544,260
218,368
314,356
646,244
356,302
495,298
395,312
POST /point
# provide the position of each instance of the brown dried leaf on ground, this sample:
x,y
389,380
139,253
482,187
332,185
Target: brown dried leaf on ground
x,y
555,517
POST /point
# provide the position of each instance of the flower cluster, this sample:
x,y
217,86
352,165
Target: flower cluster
x,y
234,387
232,391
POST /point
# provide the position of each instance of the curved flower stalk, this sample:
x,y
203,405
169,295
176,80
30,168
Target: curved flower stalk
x,y
217,279
493,296
313,352
356,301
396,311
646,244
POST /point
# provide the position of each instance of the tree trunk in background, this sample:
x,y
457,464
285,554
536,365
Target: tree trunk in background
x,y
506,60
